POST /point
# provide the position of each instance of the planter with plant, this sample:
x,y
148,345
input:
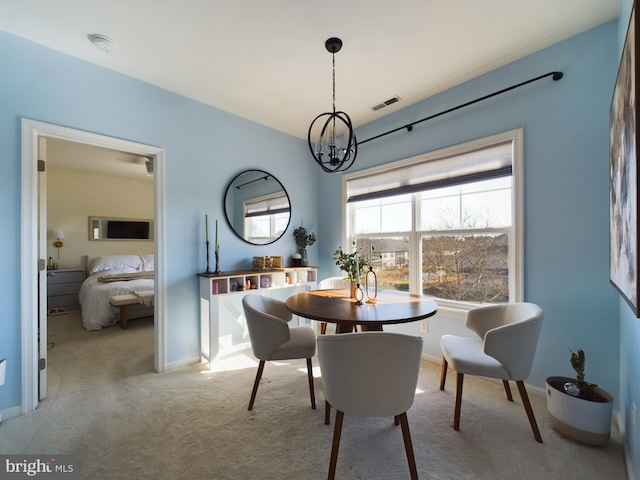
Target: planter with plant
x,y
353,264
304,238
579,410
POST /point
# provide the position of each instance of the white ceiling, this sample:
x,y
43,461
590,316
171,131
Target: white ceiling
x,y
80,157
266,60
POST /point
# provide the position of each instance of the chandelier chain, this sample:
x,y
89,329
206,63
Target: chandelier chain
x,y
333,55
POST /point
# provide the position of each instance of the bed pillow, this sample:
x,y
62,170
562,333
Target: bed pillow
x,y
109,262
147,262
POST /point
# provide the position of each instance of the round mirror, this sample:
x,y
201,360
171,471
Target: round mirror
x,y
257,207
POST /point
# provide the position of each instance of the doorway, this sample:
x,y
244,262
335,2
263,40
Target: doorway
x,y
33,280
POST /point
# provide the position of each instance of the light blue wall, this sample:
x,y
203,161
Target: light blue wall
x,y
566,187
205,148
566,159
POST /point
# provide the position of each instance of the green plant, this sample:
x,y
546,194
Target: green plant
x,y
587,390
303,237
351,263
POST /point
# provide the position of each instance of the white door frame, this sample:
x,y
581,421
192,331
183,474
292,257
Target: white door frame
x,y
31,131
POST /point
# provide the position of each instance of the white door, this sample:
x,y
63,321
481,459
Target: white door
x,y
42,269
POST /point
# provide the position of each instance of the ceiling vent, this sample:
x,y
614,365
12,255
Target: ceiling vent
x,y
386,103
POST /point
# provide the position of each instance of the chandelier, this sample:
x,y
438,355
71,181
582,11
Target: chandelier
x,y
331,138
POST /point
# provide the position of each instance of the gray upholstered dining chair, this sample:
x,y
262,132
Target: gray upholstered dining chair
x,y
370,374
273,339
505,348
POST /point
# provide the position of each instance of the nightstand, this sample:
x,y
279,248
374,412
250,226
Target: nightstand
x,y
63,287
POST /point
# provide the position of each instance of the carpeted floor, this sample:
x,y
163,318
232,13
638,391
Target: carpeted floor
x,y
124,421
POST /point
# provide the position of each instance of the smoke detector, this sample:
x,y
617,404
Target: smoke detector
x,y
103,43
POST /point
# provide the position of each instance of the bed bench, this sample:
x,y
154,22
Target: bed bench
x,y
122,302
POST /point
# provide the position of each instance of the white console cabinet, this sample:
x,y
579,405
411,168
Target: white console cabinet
x,y
222,323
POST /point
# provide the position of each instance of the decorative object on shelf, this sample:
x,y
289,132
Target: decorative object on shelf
x,y
579,410
336,147
350,263
274,262
259,263
217,246
206,236
304,238
58,235
217,270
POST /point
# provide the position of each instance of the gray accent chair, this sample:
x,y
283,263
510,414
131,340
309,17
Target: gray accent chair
x,y
273,339
507,336
370,374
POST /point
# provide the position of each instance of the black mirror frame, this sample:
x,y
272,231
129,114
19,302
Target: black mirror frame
x,y
226,213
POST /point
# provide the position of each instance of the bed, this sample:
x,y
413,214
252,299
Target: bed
x,y
113,275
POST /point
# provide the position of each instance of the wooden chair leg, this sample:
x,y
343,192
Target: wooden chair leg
x,y
337,430
311,389
327,413
408,446
456,415
529,410
323,328
256,383
507,389
443,373
396,420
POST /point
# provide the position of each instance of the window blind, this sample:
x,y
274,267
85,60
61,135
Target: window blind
x,y
267,206
483,164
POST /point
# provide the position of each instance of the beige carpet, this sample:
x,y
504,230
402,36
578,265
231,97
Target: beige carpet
x,y
124,421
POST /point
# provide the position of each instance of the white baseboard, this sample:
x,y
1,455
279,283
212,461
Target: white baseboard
x,y
10,412
182,363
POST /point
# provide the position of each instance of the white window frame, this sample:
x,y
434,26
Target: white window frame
x,y
516,245
246,204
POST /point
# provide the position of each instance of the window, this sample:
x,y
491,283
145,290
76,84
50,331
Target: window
x,y
266,217
445,224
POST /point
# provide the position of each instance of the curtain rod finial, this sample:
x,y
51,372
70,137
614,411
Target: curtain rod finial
x,y
557,76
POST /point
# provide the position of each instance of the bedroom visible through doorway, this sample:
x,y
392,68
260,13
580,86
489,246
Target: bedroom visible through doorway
x,y
36,233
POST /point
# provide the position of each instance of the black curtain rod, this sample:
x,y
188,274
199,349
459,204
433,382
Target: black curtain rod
x,y
265,177
556,76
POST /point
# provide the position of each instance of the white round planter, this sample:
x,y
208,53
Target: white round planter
x,y
581,420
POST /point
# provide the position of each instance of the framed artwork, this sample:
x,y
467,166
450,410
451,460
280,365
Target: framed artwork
x,y
623,173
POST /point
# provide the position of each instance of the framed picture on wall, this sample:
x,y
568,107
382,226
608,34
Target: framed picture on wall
x,y
623,173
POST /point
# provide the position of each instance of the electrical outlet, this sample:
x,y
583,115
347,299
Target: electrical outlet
x,y
424,327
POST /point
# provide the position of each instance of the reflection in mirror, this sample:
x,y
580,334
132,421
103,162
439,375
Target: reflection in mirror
x,y
257,207
109,228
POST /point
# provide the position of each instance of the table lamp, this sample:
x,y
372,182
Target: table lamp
x,y
58,235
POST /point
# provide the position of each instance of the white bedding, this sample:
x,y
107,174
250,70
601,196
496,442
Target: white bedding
x,y
97,312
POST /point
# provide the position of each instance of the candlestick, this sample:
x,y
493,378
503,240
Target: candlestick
x,y
206,226
217,270
207,270
217,245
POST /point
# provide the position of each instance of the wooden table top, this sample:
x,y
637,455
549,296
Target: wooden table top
x,y
336,306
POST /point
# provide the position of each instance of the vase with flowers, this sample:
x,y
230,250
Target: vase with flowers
x,y
352,264
304,238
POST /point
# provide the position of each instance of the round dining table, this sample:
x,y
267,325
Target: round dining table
x,y
337,306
